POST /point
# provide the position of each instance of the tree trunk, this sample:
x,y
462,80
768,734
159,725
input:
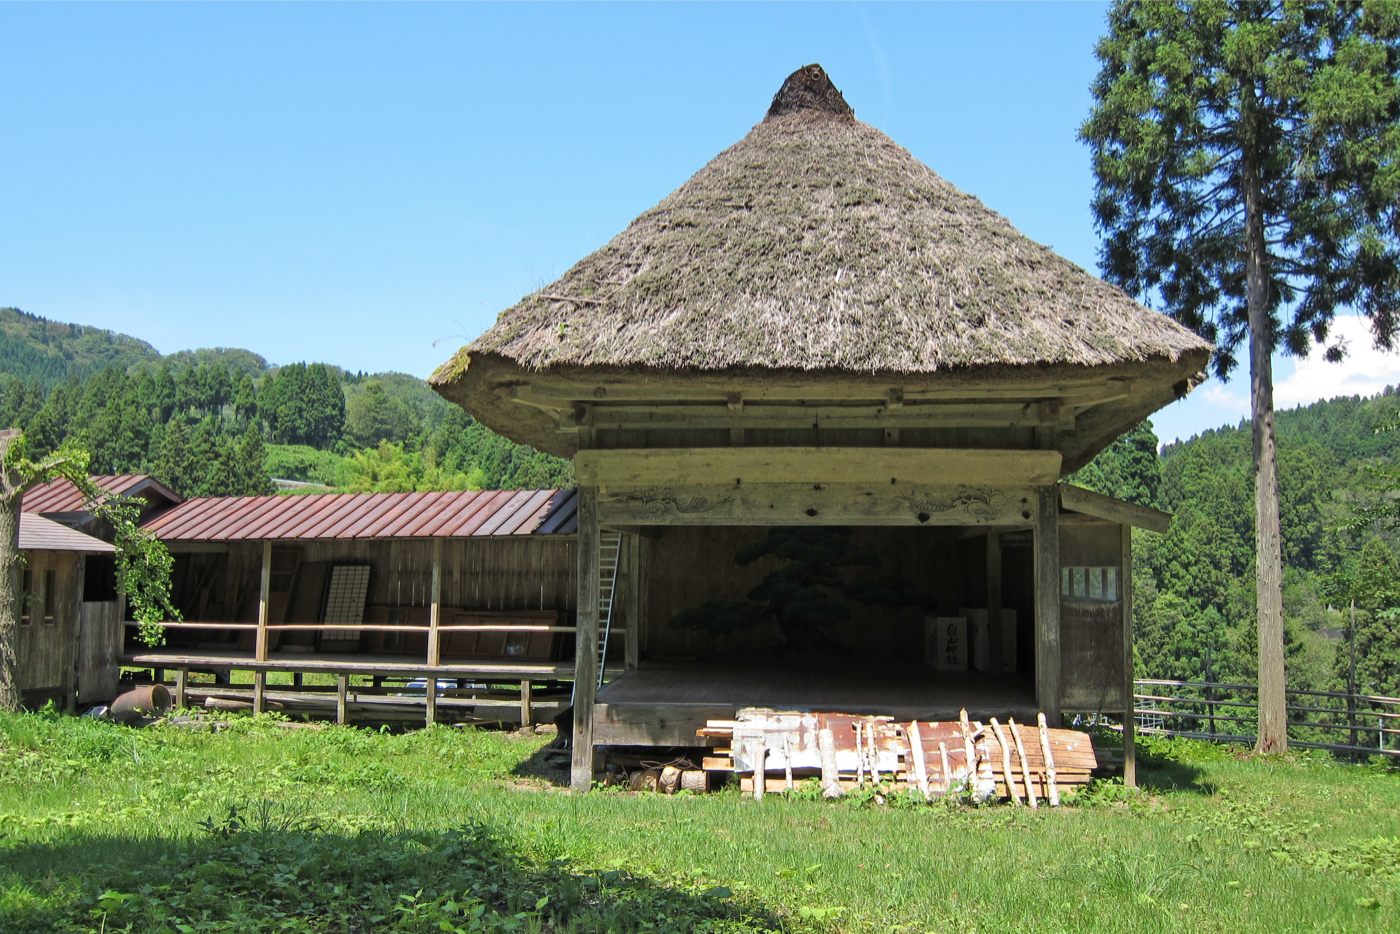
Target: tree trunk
x,y
1273,713
10,571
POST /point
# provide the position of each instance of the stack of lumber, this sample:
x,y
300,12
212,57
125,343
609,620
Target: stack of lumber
x,y
932,758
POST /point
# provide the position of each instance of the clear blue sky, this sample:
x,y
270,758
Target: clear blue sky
x,y
369,185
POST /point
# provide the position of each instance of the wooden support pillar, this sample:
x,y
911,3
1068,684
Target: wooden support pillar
x,y
181,677
586,641
259,688
430,700
996,651
264,589
1129,721
525,700
435,610
632,640
342,683
1047,603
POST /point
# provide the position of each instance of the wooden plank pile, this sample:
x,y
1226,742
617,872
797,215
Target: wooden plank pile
x,y
932,758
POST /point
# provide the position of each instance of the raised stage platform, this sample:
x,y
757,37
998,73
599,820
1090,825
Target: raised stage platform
x,y
665,706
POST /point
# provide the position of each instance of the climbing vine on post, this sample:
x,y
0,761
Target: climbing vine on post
x,y
143,564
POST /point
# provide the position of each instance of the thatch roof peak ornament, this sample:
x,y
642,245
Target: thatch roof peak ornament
x,y
809,90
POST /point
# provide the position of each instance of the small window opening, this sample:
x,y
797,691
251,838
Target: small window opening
x,y
49,596
26,598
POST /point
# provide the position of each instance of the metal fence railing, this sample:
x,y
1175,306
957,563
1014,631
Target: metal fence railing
x,y
1353,724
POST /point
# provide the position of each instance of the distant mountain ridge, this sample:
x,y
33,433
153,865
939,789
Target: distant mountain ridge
x,y
37,349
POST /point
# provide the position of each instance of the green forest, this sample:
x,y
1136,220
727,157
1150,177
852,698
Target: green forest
x,y
223,421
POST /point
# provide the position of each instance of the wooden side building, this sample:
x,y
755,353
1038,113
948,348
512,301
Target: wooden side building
x,y
64,651
454,594
817,331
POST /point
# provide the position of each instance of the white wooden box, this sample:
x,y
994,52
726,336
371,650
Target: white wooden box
x,y
945,642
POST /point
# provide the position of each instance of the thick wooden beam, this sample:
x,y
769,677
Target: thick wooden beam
x,y
875,503
1047,603
1077,499
586,641
259,691
430,700
435,609
563,391
989,414
1129,721
632,467
525,701
264,589
995,650
342,683
632,596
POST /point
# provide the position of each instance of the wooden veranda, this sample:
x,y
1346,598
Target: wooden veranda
x,y
379,605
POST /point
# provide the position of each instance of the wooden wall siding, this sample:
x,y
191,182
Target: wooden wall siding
x,y
47,651
526,573
1091,631
689,565
99,645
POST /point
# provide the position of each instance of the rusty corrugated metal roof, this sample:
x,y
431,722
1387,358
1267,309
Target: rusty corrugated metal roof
x,y
341,516
39,534
61,496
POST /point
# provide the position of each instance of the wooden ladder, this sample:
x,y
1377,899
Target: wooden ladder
x,y
609,557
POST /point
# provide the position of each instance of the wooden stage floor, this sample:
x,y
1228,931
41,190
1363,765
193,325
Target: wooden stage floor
x,y
664,706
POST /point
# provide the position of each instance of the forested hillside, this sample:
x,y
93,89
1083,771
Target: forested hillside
x,y
222,421
1194,585
44,353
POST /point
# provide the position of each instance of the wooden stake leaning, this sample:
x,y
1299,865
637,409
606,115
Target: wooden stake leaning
x,y
916,746
760,770
1005,747
787,761
969,752
874,753
831,776
1025,766
860,758
947,772
1049,761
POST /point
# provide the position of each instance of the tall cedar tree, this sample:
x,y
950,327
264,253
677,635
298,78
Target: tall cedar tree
x,y
1247,159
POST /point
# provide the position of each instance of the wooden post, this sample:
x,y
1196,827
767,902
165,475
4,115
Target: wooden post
x,y
342,683
1047,602
181,676
260,646
525,702
259,687
435,611
632,642
586,641
1129,721
996,652
430,699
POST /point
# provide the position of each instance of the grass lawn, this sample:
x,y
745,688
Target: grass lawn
x,y
261,827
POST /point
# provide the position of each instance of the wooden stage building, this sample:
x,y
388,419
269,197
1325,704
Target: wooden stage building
x,y
817,336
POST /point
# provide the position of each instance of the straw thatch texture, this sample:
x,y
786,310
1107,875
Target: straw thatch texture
x,y
818,244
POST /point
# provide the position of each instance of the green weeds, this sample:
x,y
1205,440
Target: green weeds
x,y
260,827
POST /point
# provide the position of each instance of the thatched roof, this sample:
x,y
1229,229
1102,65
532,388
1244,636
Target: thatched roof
x,y
817,244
